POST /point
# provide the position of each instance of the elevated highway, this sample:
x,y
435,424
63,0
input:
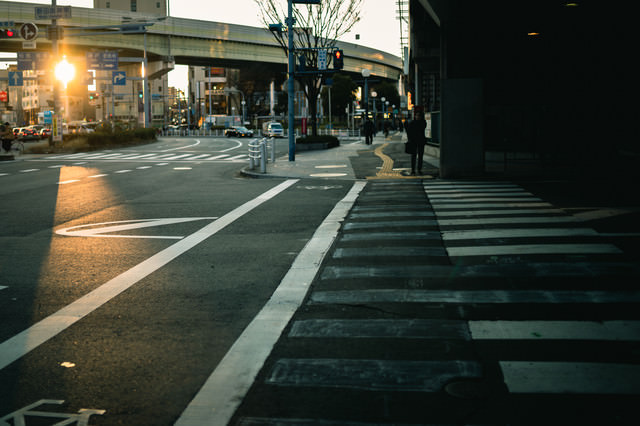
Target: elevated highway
x,y
186,41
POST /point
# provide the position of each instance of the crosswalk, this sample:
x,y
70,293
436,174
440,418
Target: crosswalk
x,y
459,303
147,156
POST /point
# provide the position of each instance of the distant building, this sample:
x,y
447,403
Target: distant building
x,y
148,7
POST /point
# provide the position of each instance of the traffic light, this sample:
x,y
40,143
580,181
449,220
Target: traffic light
x,y
302,63
140,94
337,60
8,33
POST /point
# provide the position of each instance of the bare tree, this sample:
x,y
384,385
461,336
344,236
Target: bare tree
x,y
316,27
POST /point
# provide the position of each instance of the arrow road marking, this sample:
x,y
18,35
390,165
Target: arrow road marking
x,y
77,231
24,342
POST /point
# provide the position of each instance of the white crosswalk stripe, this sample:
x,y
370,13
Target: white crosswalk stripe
x,y
178,157
521,287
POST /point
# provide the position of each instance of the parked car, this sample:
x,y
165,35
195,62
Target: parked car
x,y
272,130
45,133
238,131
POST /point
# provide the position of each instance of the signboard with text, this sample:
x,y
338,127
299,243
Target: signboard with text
x,y
106,60
33,60
53,12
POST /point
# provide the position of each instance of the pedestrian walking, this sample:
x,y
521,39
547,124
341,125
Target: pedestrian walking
x,y
416,139
368,131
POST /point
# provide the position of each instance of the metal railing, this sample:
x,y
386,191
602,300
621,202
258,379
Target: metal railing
x,y
258,149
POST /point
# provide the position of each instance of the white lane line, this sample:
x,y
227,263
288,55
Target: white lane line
x,y
223,391
97,176
2,287
123,171
143,167
238,145
4,174
571,377
64,182
29,170
517,249
182,147
24,342
565,330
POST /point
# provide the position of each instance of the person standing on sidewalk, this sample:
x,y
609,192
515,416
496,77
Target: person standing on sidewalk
x,y
6,135
416,139
368,131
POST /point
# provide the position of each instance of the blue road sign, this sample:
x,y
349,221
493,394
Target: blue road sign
x,y
48,117
15,78
33,60
119,78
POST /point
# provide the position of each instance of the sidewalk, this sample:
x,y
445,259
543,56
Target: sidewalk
x,y
384,159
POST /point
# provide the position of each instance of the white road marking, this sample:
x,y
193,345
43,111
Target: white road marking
x,y
4,174
566,330
99,229
479,234
217,157
223,391
517,249
123,171
97,176
371,374
571,377
238,145
64,182
2,287
381,329
473,296
507,220
183,147
22,343
29,170
498,212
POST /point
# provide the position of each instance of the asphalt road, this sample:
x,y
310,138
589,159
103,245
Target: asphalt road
x,y
149,284
73,225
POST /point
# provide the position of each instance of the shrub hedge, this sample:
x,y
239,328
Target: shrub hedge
x,y
332,141
120,138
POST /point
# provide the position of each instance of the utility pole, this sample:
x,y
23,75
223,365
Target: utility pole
x,y
290,84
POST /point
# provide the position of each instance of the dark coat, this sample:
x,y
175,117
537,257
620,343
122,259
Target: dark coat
x,y
415,132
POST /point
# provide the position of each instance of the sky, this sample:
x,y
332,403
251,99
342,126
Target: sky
x,y
378,27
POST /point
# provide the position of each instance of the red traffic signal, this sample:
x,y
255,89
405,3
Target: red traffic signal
x,y
338,62
7,33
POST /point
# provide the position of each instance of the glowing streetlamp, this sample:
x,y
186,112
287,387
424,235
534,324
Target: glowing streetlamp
x,y
65,71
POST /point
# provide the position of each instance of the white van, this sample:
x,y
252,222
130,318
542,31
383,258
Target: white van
x,y
272,130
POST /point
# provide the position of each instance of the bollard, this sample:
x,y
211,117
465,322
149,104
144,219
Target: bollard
x,y
273,150
263,157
